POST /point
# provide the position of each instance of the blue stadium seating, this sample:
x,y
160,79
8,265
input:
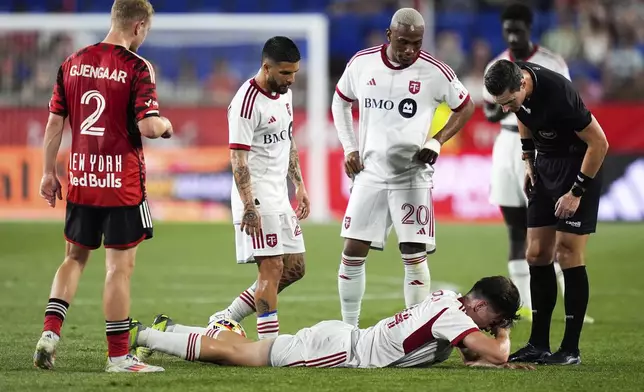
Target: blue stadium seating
x,y
347,35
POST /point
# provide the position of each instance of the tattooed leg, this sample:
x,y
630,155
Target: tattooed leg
x,y
293,271
270,273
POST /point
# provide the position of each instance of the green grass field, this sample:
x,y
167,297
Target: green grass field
x,y
188,271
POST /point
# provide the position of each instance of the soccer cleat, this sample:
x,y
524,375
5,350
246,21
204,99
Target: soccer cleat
x,y
529,354
45,354
221,315
135,328
131,364
525,314
562,357
588,320
160,323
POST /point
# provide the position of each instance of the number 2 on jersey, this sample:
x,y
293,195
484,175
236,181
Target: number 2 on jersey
x,y
87,127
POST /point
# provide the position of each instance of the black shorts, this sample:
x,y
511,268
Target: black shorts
x,y
554,178
122,227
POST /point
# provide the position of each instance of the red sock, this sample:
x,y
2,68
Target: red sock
x,y
118,337
55,315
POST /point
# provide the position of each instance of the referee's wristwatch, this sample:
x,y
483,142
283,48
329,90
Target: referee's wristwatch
x,y
577,191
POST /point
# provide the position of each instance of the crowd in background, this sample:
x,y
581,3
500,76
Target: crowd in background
x,y
602,41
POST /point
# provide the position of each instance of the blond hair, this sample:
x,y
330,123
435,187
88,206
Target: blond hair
x,y
408,17
127,11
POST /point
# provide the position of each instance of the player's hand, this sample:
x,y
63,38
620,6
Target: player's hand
x,y
352,164
530,180
169,131
566,206
518,366
251,221
303,204
50,189
430,151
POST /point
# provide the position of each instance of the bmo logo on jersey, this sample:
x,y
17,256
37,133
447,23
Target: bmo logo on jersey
x,y
281,136
372,103
407,107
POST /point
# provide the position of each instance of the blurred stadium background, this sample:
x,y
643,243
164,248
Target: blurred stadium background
x,y
199,71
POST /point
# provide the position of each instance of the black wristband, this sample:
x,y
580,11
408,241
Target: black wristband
x,y
527,144
583,180
577,191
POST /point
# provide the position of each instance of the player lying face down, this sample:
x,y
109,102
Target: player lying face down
x,y
422,335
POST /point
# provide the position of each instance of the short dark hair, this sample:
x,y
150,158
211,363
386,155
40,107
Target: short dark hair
x,y
518,11
503,75
502,295
281,49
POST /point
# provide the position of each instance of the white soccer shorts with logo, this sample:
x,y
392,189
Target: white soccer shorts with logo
x,y
373,212
327,344
280,234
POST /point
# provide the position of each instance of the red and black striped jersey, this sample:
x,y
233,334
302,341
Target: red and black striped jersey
x,y
105,90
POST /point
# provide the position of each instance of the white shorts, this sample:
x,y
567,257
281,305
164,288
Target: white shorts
x,y
508,171
280,234
324,345
372,212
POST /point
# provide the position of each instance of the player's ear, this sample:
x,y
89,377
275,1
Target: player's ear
x,y
388,34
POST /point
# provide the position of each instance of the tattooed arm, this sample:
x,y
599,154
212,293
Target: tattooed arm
x,y
294,171
295,174
241,173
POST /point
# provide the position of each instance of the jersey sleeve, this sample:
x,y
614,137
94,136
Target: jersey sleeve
x,y
574,113
145,92
243,119
58,101
453,92
345,87
453,325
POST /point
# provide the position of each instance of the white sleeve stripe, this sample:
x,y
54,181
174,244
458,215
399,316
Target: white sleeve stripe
x,y
249,102
150,69
364,53
444,68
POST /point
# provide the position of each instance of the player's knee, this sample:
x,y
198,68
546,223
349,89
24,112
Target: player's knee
x,y
568,255
410,248
538,254
356,248
271,268
119,263
76,255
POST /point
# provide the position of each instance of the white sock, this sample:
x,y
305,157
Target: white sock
x,y
520,275
184,345
417,280
178,328
268,326
560,278
351,285
244,305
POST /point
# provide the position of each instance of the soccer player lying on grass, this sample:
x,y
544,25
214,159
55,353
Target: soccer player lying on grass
x,y
422,335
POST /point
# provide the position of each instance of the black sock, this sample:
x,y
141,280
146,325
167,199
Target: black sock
x,y
543,287
576,303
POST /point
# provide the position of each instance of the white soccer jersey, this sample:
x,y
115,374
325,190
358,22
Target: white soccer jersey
x,y
541,56
419,336
262,124
396,108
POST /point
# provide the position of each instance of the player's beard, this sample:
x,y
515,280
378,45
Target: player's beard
x,y
275,87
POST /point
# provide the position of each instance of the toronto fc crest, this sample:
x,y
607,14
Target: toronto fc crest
x,y
271,240
414,87
347,222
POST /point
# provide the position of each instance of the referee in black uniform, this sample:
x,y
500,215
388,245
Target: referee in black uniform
x,y
563,148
